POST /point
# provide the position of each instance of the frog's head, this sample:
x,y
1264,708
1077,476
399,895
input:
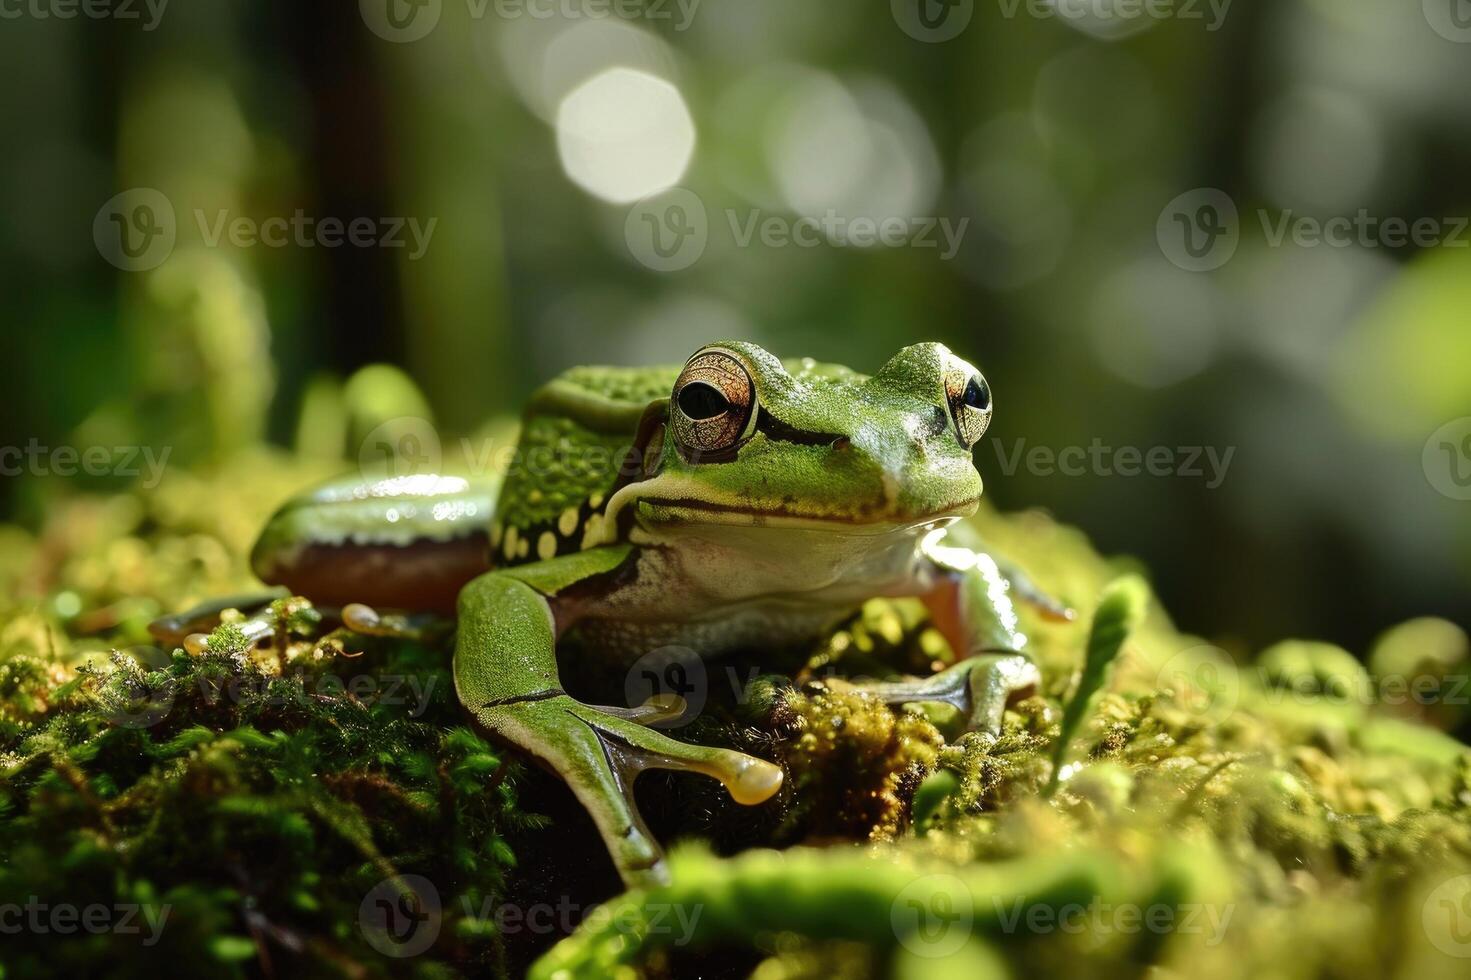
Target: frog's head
x,y
750,440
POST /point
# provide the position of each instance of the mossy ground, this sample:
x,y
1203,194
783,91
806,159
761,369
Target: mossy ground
x,y
264,795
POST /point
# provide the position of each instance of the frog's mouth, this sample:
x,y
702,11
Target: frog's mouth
x,y
665,511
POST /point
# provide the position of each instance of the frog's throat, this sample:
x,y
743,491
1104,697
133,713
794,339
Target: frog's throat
x,y
687,502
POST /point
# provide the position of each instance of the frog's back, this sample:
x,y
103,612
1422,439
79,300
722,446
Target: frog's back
x,y
574,445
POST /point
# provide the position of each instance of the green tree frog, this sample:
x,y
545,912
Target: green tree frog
x,y
735,502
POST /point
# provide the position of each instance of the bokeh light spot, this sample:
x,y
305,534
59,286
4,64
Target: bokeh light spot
x,y
625,134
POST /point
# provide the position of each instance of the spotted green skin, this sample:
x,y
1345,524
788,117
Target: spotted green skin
x,y
606,534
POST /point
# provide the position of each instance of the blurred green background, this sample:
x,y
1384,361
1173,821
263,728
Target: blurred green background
x,y
1056,141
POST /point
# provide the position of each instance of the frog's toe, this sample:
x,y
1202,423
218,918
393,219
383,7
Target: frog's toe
x,y
656,710
255,629
187,628
754,780
364,619
748,780
980,687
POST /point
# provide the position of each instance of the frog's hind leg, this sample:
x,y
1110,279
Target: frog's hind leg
x,y
980,688
188,628
506,675
403,543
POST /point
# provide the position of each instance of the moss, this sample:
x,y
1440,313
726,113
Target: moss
x,y
257,796
265,795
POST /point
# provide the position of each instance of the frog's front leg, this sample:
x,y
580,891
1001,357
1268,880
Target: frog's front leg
x,y
963,537
506,675
980,687
969,601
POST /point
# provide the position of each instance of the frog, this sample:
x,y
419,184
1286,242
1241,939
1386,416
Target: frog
x,y
735,502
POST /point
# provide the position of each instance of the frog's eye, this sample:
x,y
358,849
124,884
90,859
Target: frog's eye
x,y
712,406
970,403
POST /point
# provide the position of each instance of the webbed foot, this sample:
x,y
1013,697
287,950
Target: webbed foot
x,y
506,676
599,755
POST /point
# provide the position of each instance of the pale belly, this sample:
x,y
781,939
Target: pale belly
x,y
722,590
769,627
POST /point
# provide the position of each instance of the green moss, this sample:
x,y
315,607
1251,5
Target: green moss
x,y
251,797
262,795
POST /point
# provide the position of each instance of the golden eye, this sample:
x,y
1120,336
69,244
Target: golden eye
x,y
712,406
970,403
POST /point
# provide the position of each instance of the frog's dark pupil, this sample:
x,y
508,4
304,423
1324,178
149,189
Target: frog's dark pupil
x,y
977,394
700,401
